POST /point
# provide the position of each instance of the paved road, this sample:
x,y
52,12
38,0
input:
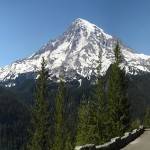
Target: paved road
x,y
141,143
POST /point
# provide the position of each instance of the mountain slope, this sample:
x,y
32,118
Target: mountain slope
x,y
75,54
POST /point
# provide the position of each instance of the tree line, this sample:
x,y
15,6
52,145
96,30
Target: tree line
x,y
101,116
64,115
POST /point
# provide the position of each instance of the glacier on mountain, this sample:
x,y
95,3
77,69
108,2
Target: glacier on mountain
x,y
75,53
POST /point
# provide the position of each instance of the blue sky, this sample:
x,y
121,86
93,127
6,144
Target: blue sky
x,y
25,25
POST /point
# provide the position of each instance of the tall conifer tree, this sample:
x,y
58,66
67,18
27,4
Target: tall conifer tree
x,y
100,107
83,123
92,115
40,139
63,138
118,101
59,118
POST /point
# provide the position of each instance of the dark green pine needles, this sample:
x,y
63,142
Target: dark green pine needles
x,y
119,116
40,136
59,118
101,119
92,123
83,136
63,139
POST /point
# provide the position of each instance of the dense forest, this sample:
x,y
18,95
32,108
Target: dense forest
x,y
44,115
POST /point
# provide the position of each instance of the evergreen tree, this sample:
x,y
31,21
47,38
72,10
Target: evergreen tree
x,y
93,115
64,134
91,121
69,142
83,123
118,101
100,107
59,119
70,122
40,137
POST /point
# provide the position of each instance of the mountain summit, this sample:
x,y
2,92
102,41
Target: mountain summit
x,y
75,54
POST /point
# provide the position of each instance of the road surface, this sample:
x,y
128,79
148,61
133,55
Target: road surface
x,y
141,143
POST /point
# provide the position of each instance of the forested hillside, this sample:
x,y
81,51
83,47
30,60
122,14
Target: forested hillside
x,y
16,104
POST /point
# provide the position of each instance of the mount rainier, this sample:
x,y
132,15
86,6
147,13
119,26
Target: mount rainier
x,y
74,54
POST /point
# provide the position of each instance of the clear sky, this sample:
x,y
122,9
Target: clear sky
x,y
25,25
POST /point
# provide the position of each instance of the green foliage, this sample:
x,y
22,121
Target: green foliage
x,y
117,96
92,124
14,121
70,122
59,119
40,138
118,55
83,123
69,142
147,118
139,95
135,124
64,136
101,113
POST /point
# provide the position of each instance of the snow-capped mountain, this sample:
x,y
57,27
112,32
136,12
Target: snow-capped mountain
x,y
75,53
